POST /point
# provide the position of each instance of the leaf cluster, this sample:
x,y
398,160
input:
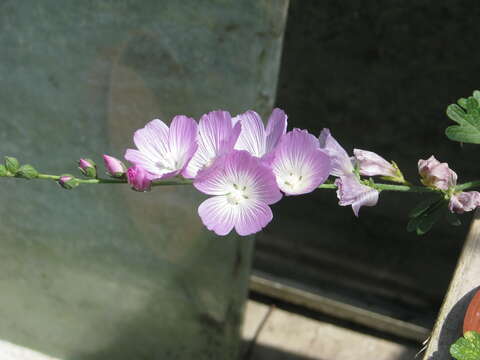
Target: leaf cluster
x,y
428,212
467,347
466,113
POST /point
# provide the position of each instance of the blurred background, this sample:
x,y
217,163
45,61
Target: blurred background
x,y
107,273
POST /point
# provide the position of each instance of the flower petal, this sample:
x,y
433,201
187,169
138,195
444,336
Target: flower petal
x,y
436,174
276,128
152,139
352,192
252,136
341,162
372,164
216,136
141,159
253,217
464,201
299,165
182,140
218,214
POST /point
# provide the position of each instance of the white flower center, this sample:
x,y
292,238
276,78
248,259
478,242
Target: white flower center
x,y
237,195
293,181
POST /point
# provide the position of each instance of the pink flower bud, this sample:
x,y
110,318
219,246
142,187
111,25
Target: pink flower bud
x,y
114,167
88,167
372,164
464,201
68,182
139,179
436,174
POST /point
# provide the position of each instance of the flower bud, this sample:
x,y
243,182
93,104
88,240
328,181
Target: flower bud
x,y
68,181
3,170
464,201
139,179
436,174
372,164
88,168
27,172
11,164
115,167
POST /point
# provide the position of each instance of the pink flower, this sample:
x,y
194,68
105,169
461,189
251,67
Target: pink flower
x,y
87,167
163,151
139,179
253,136
217,134
464,201
114,167
243,188
372,164
352,192
341,162
435,174
300,166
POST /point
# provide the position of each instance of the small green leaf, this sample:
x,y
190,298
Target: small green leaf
x,y
471,104
476,95
467,347
467,134
456,113
453,219
426,216
27,172
423,206
11,164
467,116
462,102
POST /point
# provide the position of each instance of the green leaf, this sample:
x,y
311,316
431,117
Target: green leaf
x,y
467,347
467,115
11,164
426,216
423,206
27,172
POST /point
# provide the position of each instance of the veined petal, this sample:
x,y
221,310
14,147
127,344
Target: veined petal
x,y
299,165
352,192
152,139
341,162
276,128
141,159
253,216
216,136
252,136
218,214
182,140
464,201
372,164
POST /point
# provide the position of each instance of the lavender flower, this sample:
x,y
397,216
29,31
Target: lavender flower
x,y
114,167
87,167
436,174
464,201
217,134
372,164
139,179
243,187
162,151
350,190
257,140
300,166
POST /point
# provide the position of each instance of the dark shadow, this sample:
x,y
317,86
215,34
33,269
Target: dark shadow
x,y
452,327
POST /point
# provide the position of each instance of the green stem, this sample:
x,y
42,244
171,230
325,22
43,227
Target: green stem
x,y
180,181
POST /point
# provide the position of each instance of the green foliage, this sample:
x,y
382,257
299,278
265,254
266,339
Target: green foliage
x,y
467,347
467,115
426,214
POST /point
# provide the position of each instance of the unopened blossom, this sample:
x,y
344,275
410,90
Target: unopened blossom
x,y
299,165
217,134
257,140
114,167
68,181
87,167
242,188
372,164
350,189
164,151
464,201
436,174
139,179
352,192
